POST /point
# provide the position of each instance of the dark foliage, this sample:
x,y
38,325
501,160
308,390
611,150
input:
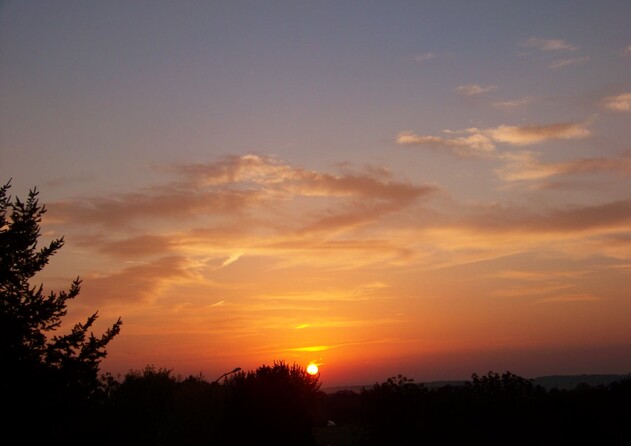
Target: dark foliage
x,y
48,380
282,405
495,409
154,407
272,405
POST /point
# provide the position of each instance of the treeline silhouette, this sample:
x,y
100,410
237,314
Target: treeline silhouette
x,y
283,405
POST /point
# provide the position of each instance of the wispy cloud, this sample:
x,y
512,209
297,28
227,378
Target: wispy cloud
x,y
481,142
515,103
476,144
475,89
607,216
525,165
580,297
422,57
621,102
533,134
139,282
232,258
560,63
549,44
233,186
130,247
313,348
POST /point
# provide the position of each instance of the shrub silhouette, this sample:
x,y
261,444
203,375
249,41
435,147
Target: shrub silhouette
x,y
151,406
392,412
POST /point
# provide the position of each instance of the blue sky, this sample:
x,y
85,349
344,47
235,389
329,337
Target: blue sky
x,y
461,162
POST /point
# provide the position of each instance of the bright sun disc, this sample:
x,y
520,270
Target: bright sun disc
x,y
312,369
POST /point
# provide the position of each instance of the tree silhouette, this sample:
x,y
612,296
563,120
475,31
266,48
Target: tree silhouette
x,y
44,377
271,405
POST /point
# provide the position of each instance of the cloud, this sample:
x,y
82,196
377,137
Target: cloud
x,y
231,259
532,134
559,63
313,348
170,203
422,57
473,145
310,217
137,283
481,142
514,103
474,89
234,187
580,297
525,165
576,219
621,102
130,247
549,44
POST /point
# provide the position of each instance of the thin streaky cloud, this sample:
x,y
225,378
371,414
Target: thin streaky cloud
x,y
474,145
568,298
481,142
231,259
515,103
533,134
532,290
549,44
475,89
422,57
560,63
140,283
609,216
621,102
525,165
530,276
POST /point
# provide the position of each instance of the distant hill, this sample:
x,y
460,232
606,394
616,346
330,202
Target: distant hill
x,y
568,382
561,382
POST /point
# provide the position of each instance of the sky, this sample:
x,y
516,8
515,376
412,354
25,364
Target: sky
x,y
425,188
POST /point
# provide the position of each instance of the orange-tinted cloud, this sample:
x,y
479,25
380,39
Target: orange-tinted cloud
x,y
621,102
473,145
482,142
576,219
525,165
532,134
136,283
234,185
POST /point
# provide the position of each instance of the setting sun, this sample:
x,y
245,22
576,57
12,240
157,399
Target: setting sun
x,y
312,369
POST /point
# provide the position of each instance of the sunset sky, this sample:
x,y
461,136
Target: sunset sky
x,y
426,188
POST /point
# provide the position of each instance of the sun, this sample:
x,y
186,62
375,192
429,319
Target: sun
x,y
312,369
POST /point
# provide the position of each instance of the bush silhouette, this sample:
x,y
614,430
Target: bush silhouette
x,y
151,406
